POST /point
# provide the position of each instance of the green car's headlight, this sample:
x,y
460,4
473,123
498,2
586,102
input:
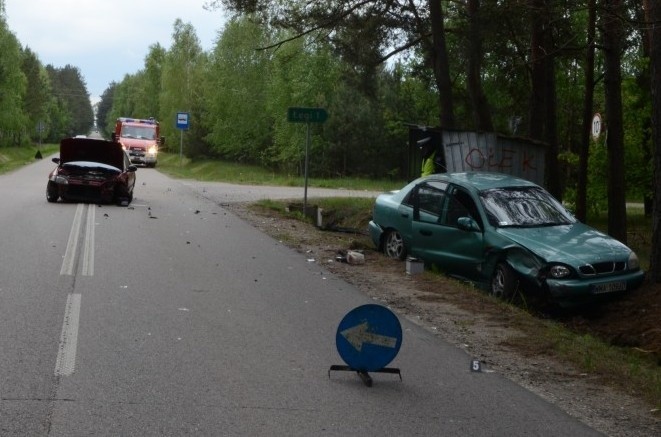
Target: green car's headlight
x,y
558,272
633,262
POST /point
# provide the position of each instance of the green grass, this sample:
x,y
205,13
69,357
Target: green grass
x,y
12,158
343,212
223,171
626,368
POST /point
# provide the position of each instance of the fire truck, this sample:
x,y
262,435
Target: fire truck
x,y
140,138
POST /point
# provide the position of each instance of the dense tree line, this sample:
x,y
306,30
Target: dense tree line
x,y
39,103
539,68
534,68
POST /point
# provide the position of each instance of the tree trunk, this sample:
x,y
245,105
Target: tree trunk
x,y
613,34
537,72
643,81
441,64
481,110
553,178
588,102
543,99
654,15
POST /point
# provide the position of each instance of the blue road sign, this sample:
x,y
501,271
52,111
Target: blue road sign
x,y
369,337
183,120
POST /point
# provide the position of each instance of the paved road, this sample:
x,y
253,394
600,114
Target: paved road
x,y
174,317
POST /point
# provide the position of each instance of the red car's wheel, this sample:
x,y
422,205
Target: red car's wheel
x,y
52,193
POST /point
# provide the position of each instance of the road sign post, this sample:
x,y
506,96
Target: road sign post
x,y
183,123
41,127
307,116
368,339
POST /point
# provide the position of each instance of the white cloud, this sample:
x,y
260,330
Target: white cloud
x,y
105,39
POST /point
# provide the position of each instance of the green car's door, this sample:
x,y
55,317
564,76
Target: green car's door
x,y
455,249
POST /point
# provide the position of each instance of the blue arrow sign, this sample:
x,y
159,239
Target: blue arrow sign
x,y
369,337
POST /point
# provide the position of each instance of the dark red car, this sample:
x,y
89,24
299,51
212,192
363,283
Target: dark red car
x,y
91,170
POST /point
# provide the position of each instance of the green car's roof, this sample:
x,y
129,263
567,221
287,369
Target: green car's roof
x,y
482,180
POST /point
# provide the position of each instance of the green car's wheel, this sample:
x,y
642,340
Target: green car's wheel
x,y
503,281
393,245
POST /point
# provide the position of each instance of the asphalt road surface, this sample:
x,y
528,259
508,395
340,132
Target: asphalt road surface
x,y
174,317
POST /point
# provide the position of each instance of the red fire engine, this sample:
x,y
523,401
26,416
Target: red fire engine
x,y
140,138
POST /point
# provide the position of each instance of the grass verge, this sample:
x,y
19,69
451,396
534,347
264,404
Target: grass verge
x,y
12,158
223,171
634,372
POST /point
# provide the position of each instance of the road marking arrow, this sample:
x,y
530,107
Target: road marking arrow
x,y
359,335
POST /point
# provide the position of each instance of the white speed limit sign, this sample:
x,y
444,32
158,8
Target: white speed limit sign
x,y
596,126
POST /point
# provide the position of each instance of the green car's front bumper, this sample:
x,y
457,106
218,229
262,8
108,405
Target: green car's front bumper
x,y
576,291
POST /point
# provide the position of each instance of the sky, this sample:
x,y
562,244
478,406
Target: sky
x,y
105,39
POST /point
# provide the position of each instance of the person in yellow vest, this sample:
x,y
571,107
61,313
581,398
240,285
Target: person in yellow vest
x,y
428,157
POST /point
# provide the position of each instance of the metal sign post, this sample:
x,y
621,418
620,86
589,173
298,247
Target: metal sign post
x,y
307,116
41,127
183,124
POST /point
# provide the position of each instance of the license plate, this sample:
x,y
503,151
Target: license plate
x,y
609,287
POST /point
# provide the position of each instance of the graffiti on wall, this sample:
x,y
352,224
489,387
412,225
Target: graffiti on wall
x,y
507,159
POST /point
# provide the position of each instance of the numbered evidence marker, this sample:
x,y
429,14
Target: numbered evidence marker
x,y
476,366
368,339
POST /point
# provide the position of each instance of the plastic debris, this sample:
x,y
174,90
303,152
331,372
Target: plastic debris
x,y
355,258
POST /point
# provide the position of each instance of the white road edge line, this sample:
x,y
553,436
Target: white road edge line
x,y
66,354
88,251
68,262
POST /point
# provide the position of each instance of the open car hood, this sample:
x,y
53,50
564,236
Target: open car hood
x,y
92,150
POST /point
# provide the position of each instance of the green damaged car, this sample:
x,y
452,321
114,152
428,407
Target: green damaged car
x,y
506,233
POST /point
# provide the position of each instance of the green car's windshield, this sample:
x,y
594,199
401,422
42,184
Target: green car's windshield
x,y
523,207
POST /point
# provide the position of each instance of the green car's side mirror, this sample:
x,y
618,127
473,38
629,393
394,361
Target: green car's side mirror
x,y
467,224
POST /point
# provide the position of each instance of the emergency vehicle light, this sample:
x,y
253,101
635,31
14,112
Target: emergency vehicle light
x,y
138,120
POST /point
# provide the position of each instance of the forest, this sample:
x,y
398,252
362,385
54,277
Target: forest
x,y
539,69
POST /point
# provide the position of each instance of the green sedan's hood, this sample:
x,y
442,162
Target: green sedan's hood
x,y
576,244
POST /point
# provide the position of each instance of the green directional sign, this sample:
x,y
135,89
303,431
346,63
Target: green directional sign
x,y
306,115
